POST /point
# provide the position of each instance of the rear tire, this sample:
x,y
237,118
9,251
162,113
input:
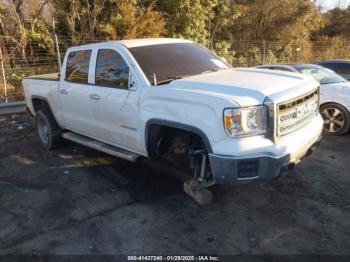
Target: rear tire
x,y
48,131
336,119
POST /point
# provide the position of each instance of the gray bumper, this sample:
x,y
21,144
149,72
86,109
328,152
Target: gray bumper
x,y
231,170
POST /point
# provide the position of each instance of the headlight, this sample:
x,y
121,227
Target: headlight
x,y
243,122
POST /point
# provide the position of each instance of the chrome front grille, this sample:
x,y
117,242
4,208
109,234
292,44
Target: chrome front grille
x,y
293,114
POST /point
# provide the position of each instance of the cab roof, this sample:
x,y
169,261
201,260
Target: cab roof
x,y
130,43
151,41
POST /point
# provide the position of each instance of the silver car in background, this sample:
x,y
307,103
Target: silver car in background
x,y
334,95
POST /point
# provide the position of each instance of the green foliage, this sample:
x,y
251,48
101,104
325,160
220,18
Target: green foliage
x,y
40,37
255,54
337,24
276,20
270,57
147,23
2,8
242,61
110,19
216,24
223,49
187,18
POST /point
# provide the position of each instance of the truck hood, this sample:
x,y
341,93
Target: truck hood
x,y
246,86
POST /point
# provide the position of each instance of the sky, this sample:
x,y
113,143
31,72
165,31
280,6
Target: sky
x,y
329,4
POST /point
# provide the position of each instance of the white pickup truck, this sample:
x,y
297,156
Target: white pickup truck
x,y
173,99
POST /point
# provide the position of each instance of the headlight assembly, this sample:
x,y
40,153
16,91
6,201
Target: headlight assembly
x,y
243,122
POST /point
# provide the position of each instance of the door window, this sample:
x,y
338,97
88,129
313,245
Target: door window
x,y
111,69
77,69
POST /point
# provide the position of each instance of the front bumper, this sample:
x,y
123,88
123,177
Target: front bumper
x,y
231,170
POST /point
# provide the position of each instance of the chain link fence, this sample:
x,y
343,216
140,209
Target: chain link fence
x,y
11,89
15,64
251,53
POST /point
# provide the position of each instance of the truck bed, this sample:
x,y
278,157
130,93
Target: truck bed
x,y
43,86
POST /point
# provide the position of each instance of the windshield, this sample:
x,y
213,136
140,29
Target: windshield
x,y
322,75
167,62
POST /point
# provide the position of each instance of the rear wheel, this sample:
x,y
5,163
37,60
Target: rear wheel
x,y
336,119
48,131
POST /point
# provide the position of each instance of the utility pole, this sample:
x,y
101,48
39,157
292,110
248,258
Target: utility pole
x,y
264,52
3,74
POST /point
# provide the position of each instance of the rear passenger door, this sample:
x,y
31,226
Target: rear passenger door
x,y
116,111
75,91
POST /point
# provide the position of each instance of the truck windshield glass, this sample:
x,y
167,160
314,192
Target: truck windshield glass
x,y
322,75
167,62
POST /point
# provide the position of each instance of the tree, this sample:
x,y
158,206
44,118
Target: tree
x,y
337,24
147,23
110,19
223,16
19,25
187,18
13,26
78,19
128,19
277,20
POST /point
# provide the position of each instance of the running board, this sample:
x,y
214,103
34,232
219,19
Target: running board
x,y
103,147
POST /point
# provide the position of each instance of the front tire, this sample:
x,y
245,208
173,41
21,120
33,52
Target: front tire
x,y
48,131
336,119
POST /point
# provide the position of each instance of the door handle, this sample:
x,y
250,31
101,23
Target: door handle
x,y
95,96
63,91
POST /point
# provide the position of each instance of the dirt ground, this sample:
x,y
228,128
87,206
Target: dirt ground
x,y
78,201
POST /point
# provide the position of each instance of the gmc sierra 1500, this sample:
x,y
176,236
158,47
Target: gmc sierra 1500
x,y
171,97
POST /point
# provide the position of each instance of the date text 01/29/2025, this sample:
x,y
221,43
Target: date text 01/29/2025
x,y
173,258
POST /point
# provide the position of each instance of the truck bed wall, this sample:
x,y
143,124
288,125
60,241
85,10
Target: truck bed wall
x,y
45,88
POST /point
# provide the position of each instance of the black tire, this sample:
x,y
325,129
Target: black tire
x,y
336,119
48,131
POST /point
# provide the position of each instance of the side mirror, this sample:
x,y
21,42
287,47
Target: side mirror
x,y
132,83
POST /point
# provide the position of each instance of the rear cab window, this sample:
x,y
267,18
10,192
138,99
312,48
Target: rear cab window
x,y
77,68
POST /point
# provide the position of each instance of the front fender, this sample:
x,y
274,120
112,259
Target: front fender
x,y
194,112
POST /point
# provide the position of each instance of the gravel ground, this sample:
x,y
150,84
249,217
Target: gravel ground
x,y
78,201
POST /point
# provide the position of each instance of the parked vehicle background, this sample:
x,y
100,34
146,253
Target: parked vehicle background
x,y
341,67
334,95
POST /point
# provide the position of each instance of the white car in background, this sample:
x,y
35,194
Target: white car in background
x,y
334,95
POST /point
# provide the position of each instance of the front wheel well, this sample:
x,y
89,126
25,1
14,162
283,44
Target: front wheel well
x,y
160,136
